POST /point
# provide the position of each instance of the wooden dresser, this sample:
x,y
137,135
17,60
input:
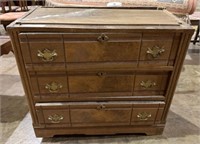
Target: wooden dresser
x,y
99,70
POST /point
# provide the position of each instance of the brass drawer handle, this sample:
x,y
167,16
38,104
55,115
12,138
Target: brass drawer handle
x,y
53,87
55,118
103,38
100,74
144,116
147,84
101,107
47,55
155,51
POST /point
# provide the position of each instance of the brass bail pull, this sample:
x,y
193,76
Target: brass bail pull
x,y
155,51
147,84
53,87
55,118
46,55
144,116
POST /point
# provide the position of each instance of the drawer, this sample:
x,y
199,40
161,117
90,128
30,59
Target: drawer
x,y
100,114
42,48
151,82
80,114
101,82
103,47
147,113
156,49
53,116
49,84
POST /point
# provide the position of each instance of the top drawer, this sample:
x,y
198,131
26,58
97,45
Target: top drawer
x,y
147,49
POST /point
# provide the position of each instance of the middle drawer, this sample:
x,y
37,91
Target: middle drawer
x,y
98,85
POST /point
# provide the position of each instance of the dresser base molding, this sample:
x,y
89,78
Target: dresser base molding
x,y
148,130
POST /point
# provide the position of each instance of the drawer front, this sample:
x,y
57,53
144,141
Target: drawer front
x,y
156,49
101,82
49,84
100,114
151,82
147,113
42,48
117,47
99,85
99,47
78,114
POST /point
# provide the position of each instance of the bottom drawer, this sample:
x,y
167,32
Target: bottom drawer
x,y
80,114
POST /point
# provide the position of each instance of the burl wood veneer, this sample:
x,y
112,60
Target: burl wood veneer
x,y
99,70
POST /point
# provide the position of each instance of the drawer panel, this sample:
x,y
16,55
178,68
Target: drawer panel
x,y
42,48
151,82
156,49
100,114
101,82
53,116
111,51
46,52
49,84
116,48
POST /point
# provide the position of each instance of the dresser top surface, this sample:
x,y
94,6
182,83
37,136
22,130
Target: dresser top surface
x,y
100,16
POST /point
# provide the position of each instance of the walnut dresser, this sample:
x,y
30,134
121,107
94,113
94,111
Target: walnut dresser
x,y
99,70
